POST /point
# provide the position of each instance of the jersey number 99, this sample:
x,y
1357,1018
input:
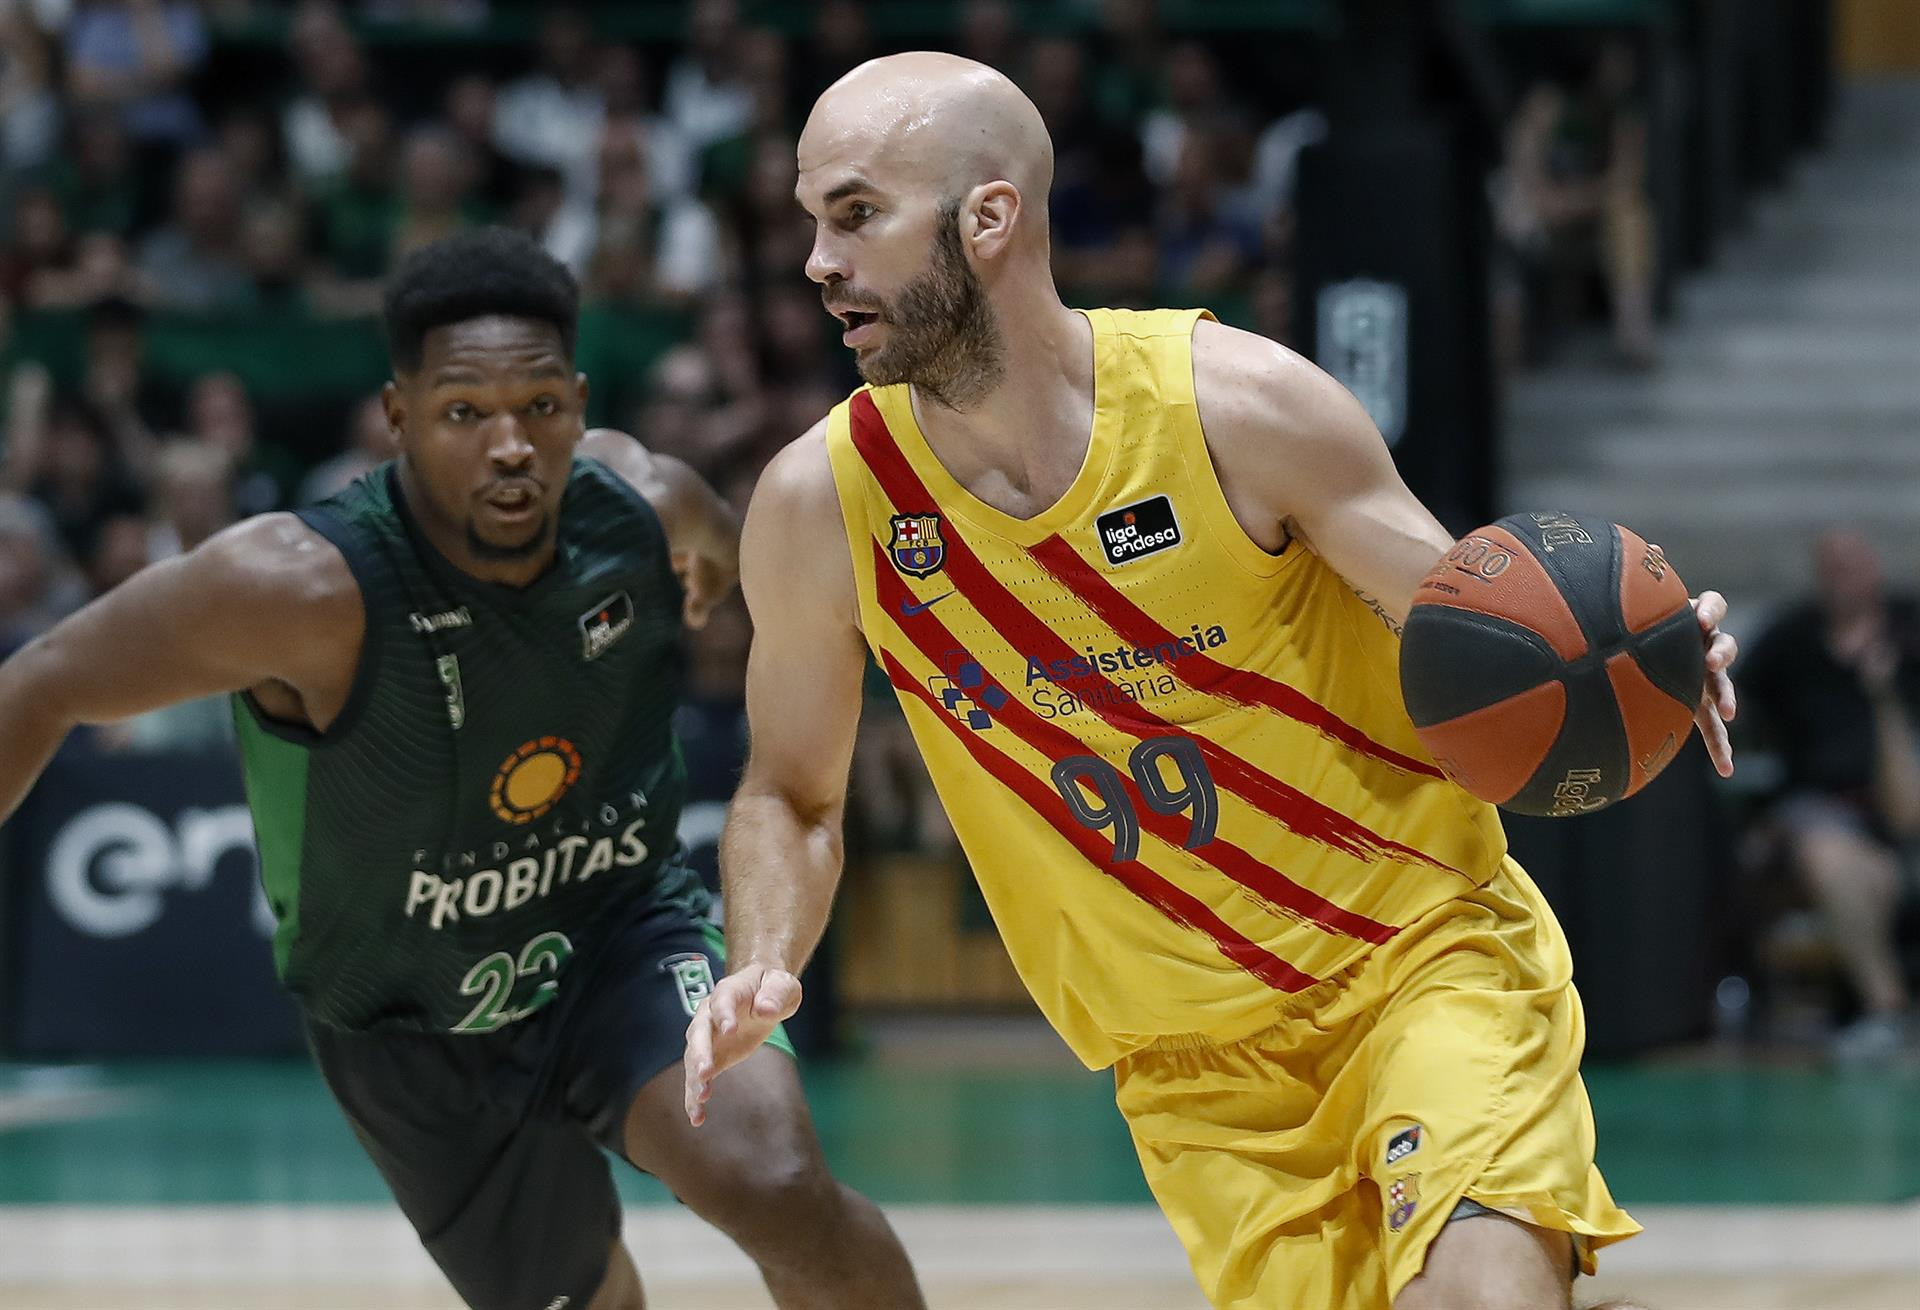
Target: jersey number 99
x,y
1112,805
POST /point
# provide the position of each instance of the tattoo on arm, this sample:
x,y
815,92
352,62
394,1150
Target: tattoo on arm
x,y
1379,611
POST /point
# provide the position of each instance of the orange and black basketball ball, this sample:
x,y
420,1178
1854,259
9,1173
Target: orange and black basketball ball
x,y
1552,663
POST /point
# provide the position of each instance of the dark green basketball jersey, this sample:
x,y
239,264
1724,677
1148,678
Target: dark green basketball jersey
x,y
502,788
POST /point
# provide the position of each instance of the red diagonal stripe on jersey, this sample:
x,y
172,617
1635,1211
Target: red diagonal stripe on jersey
x,y
1292,808
1201,671
1279,892
1180,906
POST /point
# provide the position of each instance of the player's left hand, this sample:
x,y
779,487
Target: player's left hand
x,y
731,1023
706,583
1717,704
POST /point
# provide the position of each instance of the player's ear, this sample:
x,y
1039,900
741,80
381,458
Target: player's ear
x,y
989,218
395,404
580,394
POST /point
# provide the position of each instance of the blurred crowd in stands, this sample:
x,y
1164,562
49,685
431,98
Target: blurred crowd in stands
x,y
198,202
232,168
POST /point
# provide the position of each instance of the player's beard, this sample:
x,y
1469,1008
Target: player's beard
x,y
494,551
943,335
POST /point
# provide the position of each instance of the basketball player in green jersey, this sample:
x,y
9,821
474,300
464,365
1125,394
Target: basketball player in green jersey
x,y
452,684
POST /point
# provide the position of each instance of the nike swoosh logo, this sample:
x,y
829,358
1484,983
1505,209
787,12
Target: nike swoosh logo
x,y
909,608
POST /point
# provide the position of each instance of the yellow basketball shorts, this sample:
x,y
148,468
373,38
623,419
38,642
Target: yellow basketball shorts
x,y
1310,1166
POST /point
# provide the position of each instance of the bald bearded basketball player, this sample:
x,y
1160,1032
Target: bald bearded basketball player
x,y
1138,580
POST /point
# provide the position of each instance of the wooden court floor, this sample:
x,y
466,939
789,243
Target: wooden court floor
x,y
237,1187
970,1257
1815,1292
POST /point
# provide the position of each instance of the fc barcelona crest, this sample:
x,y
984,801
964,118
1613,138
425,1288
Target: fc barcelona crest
x,y
1403,1197
917,549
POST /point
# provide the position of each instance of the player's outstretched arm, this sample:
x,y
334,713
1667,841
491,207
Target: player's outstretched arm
x,y
780,854
267,601
1295,449
702,530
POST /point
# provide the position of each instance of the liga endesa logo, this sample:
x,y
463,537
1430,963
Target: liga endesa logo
x,y
1138,530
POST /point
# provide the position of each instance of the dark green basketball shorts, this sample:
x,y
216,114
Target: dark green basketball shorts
x,y
492,1143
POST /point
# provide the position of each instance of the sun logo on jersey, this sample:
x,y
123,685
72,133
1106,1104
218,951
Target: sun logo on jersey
x,y
917,549
534,778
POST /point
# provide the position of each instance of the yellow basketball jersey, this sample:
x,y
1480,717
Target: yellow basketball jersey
x,y
1179,766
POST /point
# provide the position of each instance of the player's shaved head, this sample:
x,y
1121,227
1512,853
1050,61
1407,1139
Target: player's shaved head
x,y
932,119
928,176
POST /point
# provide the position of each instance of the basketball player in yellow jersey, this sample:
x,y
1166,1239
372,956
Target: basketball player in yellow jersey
x,y
1137,579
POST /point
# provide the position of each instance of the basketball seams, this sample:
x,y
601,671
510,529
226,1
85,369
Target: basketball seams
x,y
1429,704
1530,595
1592,659
1656,724
1530,722
1650,592
1658,676
1614,604
1592,719
1619,646
1566,583
1591,726
1612,607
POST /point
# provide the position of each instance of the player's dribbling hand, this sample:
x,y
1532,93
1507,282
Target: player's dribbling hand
x,y
1717,704
738,1015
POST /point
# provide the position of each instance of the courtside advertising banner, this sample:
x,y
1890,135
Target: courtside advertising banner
x,y
135,920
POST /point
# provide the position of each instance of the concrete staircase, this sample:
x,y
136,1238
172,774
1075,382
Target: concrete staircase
x,y
1788,394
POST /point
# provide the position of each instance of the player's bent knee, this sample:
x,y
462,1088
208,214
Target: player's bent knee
x,y
793,1186
790,1190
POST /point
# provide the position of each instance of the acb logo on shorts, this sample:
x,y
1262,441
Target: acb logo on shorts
x,y
694,977
1403,1144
